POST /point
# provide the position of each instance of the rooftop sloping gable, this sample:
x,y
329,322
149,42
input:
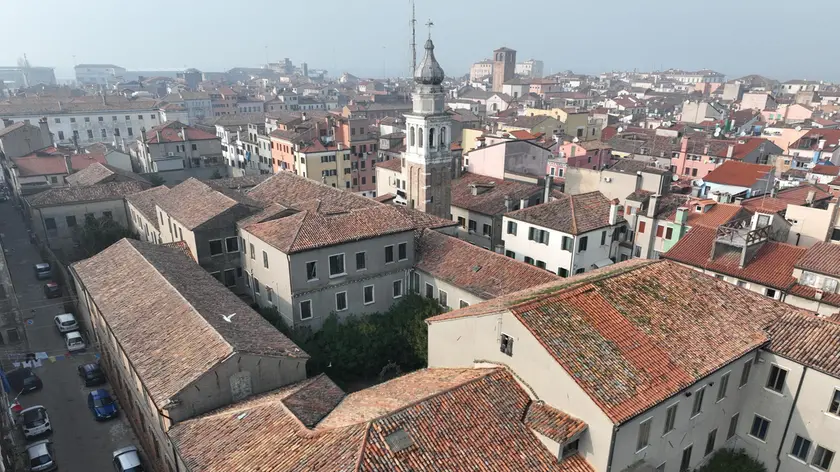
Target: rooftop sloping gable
x,y
823,258
638,333
145,202
492,201
288,189
739,174
574,214
87,193
177,335
194,203
810,340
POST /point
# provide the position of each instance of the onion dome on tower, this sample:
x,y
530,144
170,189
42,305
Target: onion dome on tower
x,y
429,72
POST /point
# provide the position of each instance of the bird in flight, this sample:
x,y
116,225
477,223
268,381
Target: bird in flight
x,y
228,317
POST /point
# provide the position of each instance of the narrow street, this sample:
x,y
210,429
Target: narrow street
x,y
81,443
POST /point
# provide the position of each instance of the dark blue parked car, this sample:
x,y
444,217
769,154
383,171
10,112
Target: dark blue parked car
x,y
102,405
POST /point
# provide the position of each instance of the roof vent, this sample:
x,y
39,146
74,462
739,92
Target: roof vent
x,y
398,441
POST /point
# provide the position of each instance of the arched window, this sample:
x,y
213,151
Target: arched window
x,y
420,137
443,137
411,136
432,143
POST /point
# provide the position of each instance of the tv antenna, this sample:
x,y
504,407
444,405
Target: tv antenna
x,y
413,43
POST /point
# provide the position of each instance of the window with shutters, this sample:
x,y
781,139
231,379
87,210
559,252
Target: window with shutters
x,y
660,231
642,225
643,438
506,345
776,379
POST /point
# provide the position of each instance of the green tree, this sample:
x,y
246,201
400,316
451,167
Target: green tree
x,y
97,234
156,180
732,460
216,175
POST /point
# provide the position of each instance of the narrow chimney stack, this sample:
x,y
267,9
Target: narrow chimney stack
x,y
508,203
730,150
682,216
68,163
653,205
547,192
614,211
523,203
810,198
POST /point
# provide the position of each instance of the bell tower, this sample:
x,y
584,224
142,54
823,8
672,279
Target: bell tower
x,y
428,158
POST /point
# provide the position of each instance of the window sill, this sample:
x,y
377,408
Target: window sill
x,y
312,280
305,319
334,276
369,303
217,255
770,390
695,415
791,456
642,449
757,439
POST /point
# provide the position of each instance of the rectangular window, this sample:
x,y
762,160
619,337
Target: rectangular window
x,y
769,292
506,344
230,277
340,301
402,251
265,259
361,262
834,406
71,221
242,245
733,426
487,230
103,133
745,374
567,243
49,223
511,227
472,226
195,147
641,227
90,134
232,244
822,458
603,238
660,230
685,462
367,291
776,379
397,288
670,418
510,254
710,442
582,244
669,233
529,260
312,271
643,439
430,291
462,222
215,247
463,304
337,265
443,299
724,384
253,252
759,427
801,447
389,254
698,402
61,135
540,264
306,309
130,132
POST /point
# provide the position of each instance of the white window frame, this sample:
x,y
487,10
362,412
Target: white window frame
x,y
779,368
372,294
402,291
676,406
694,402
346,302
234,277
649,422
306,269
300,309
723,386
398,252
393,254
767,430
329,265
210,245
834,393
237,244
446,295
356,259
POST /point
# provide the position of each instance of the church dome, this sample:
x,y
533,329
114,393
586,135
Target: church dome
x,y
429,72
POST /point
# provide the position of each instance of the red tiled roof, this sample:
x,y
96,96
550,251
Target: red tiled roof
x,y
359,434
30,166
823,258
808,339
170,132
522,134
719,214
831,137
740,174
640,332
825,169
553,423
492,201
772,265
391,164
575,214
793,196
483,273
810,293
385,198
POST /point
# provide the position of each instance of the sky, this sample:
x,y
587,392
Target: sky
x,y
369,38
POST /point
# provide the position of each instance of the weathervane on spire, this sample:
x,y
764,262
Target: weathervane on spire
x,y
429,24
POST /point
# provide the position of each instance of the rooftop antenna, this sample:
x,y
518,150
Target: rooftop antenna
x,y
413,44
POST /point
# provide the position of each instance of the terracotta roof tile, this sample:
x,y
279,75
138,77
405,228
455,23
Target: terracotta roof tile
x,y
99,173
145,202
553,423
391,164
177,335
196,204
288,189
492,200
575,214
808,339
740,174
422,220
480,272
88,193
823,258
638,333
790,196
772,265
360,433
825,169
33,165
172,132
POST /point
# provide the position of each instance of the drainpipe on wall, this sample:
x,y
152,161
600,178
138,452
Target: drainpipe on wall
x,y
790,415
44,225
612,449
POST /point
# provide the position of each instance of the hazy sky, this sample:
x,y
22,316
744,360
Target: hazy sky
x,y
369,37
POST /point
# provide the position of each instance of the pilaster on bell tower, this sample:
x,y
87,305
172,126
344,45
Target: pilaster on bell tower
x,y
428,136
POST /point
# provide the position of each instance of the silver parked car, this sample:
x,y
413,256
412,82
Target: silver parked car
x,y
41,456
127,459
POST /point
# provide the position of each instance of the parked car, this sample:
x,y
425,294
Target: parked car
x,y
74,342
43,271
66,322
24,380
127,460
41,456
52,290
102,405
91,374
35,421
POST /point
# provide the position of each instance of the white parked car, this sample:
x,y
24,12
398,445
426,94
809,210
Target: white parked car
x,y
35,421
66,322
74,341
41,456
127,460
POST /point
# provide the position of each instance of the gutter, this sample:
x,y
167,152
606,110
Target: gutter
x,y
790,415
612,449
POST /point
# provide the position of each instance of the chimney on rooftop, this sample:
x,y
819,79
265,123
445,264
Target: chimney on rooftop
x,y
508,203
547,192
523,203
730,149
68,163
810,198
653,205
614,211
821,144
682,216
